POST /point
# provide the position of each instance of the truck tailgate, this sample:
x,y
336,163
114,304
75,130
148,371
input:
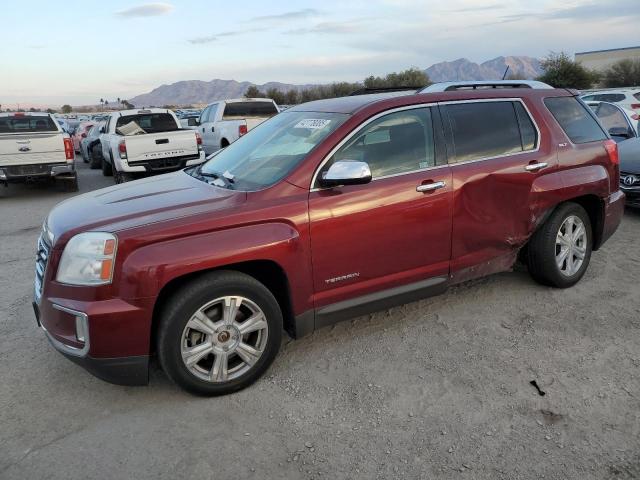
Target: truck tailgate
x,y
150,146
31,148
254,122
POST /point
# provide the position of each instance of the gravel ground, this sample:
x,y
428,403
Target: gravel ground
x,y
434,389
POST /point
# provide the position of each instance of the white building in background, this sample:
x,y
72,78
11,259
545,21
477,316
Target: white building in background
x,y
603,59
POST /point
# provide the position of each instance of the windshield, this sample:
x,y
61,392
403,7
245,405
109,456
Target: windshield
x,y
268,152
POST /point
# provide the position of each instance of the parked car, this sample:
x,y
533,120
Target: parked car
x,y
81,132
138,142
189,120
91,148
620,122
222,123
628,98
329,210
34,147
622,125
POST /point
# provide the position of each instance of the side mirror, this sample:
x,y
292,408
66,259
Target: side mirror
x,y
101,129
193,122
620,132
346,172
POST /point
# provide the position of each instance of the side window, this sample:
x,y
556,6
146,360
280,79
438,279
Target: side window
x,y
204,115
483,130
213,109
106,126
396,143
612,97
528,133
589,98
575,119
612,117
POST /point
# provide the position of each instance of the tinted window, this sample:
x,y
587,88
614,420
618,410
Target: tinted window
x,y
483,130
575,119
612,117
248,109
396,143
27,124
611,97
145,123
527,129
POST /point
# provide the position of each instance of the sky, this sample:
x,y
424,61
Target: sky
x,y
77,52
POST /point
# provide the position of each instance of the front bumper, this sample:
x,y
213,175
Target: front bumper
x,y
87,333
21,173
632,194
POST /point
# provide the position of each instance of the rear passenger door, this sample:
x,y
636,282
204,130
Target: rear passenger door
x,y
496,155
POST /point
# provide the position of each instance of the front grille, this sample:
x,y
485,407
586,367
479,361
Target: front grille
x,y
42,258
629,179
24,170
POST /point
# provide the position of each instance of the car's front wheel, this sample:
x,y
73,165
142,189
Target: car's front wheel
x,y
219,333
560,250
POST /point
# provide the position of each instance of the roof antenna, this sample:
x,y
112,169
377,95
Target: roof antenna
x,y
505,73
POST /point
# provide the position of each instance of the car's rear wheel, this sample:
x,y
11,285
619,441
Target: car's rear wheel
x,y
95,157
219,333
560,251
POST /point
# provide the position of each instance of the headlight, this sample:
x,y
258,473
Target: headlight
x,y
88,259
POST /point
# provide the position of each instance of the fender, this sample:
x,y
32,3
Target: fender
x,y
144,276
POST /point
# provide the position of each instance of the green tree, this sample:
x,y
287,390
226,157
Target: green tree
x,y
50,110
276,95
560,71
66,109
625,73
412,77
253,92
291,97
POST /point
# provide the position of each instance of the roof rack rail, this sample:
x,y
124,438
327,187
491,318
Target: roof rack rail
x,y
484,84
370,90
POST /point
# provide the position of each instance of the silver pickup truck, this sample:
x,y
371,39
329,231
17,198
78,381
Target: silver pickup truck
x,y
146,141
34,147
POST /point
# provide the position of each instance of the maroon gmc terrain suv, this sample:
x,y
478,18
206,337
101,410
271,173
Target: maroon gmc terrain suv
x,y
326,211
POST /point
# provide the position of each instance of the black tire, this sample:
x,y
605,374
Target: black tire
x,y
95,157
122,177
224,143
541,251
107,169
85,158
187,300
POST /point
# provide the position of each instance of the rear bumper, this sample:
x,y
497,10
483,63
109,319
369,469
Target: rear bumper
x,y
613,212
22,173
162,165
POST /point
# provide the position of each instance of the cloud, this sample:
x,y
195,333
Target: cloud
x,y
478,9
217,36
579,13
288,16
146,10
330,28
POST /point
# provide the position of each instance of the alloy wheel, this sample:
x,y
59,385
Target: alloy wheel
x,y
224,339
571,245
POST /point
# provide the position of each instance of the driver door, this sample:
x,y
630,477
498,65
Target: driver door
x,y
390,236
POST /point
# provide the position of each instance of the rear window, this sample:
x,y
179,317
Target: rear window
x,y
611,97
489,129
145,123
249,109
574,118
27,124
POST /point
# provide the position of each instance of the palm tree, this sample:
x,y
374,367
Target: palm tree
x,y
102,102
119,101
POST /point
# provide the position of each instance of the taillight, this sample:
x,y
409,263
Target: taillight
x,y
612,149
198,139
122,149
635,116
635,106
242,130
69,151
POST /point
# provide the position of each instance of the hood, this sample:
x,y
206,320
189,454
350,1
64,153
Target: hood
x,y
133,204
629,153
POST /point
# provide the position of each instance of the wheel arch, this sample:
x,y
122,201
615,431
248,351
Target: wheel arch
x,y
267,272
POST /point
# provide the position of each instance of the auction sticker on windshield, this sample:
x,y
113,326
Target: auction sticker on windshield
x,y
313,123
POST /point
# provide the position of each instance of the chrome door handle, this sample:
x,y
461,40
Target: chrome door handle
x,y
534,167
430,187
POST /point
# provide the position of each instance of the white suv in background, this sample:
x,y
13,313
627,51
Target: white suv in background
x,y
628,98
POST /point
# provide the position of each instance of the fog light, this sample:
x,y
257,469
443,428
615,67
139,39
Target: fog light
x,y
81,335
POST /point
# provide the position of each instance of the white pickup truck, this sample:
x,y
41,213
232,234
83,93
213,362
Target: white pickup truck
x,y
138,142
33,146
223,122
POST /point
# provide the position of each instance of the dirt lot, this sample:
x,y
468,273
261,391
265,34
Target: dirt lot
x,y
434,389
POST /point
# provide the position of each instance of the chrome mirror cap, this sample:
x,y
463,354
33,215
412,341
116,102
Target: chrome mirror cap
x,y
346,172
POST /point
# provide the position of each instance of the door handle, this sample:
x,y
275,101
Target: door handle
x,y
534,167
430,187
213,129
